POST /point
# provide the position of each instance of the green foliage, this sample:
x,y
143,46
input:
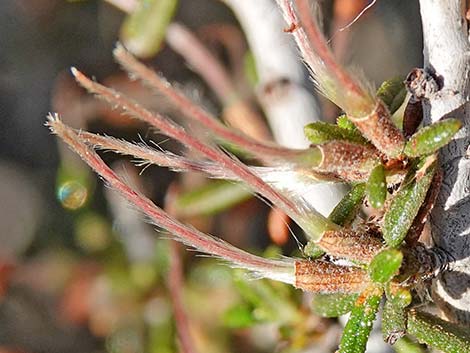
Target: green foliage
x,y
393,322
347,208
143,31
359,325
406,203
333,305
385,265
211,198
443,335
392,93
376,188
320,132
430,138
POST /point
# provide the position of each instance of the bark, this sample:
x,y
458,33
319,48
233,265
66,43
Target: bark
x,y
446,58
287,103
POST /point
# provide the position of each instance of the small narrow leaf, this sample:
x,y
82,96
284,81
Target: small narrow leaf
x,y
143,31
437,333
398,296
406,345
405,205
347,208
321,132
385,265
393,323
377,187
345,123
358,328
312,250
432,137
392,93
211,198
333,305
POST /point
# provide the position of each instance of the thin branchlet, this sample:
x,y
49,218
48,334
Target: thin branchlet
x,y
265,151
281,270
303,213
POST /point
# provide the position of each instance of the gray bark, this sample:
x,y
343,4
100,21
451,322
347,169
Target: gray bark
x,y
287,103
446,57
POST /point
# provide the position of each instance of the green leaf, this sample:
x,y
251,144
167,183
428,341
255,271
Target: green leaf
x,y
440,334
345,123
406,345
346,209
399,297
376,188
406,203
143,31
432,137
385,265
333,305
211,198
312,250
392,93
393,322
239,316
358,328
321,132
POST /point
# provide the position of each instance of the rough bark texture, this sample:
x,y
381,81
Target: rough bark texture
x,y
446,56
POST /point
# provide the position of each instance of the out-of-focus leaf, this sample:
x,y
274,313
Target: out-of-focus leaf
x,y
143,31
392,93
333,305
239,316
215,196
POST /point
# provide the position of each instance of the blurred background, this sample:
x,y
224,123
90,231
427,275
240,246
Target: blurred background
x,y
80,271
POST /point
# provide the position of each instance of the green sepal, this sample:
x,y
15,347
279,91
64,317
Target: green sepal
x,y
143,31
432,137
321,132
347,208
333,305
405,205
376,188
359,325
392,93
393,322
211,198
437,333
385,265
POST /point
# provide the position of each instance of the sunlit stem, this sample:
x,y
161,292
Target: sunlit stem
x,y
307,217
263,150
281,270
